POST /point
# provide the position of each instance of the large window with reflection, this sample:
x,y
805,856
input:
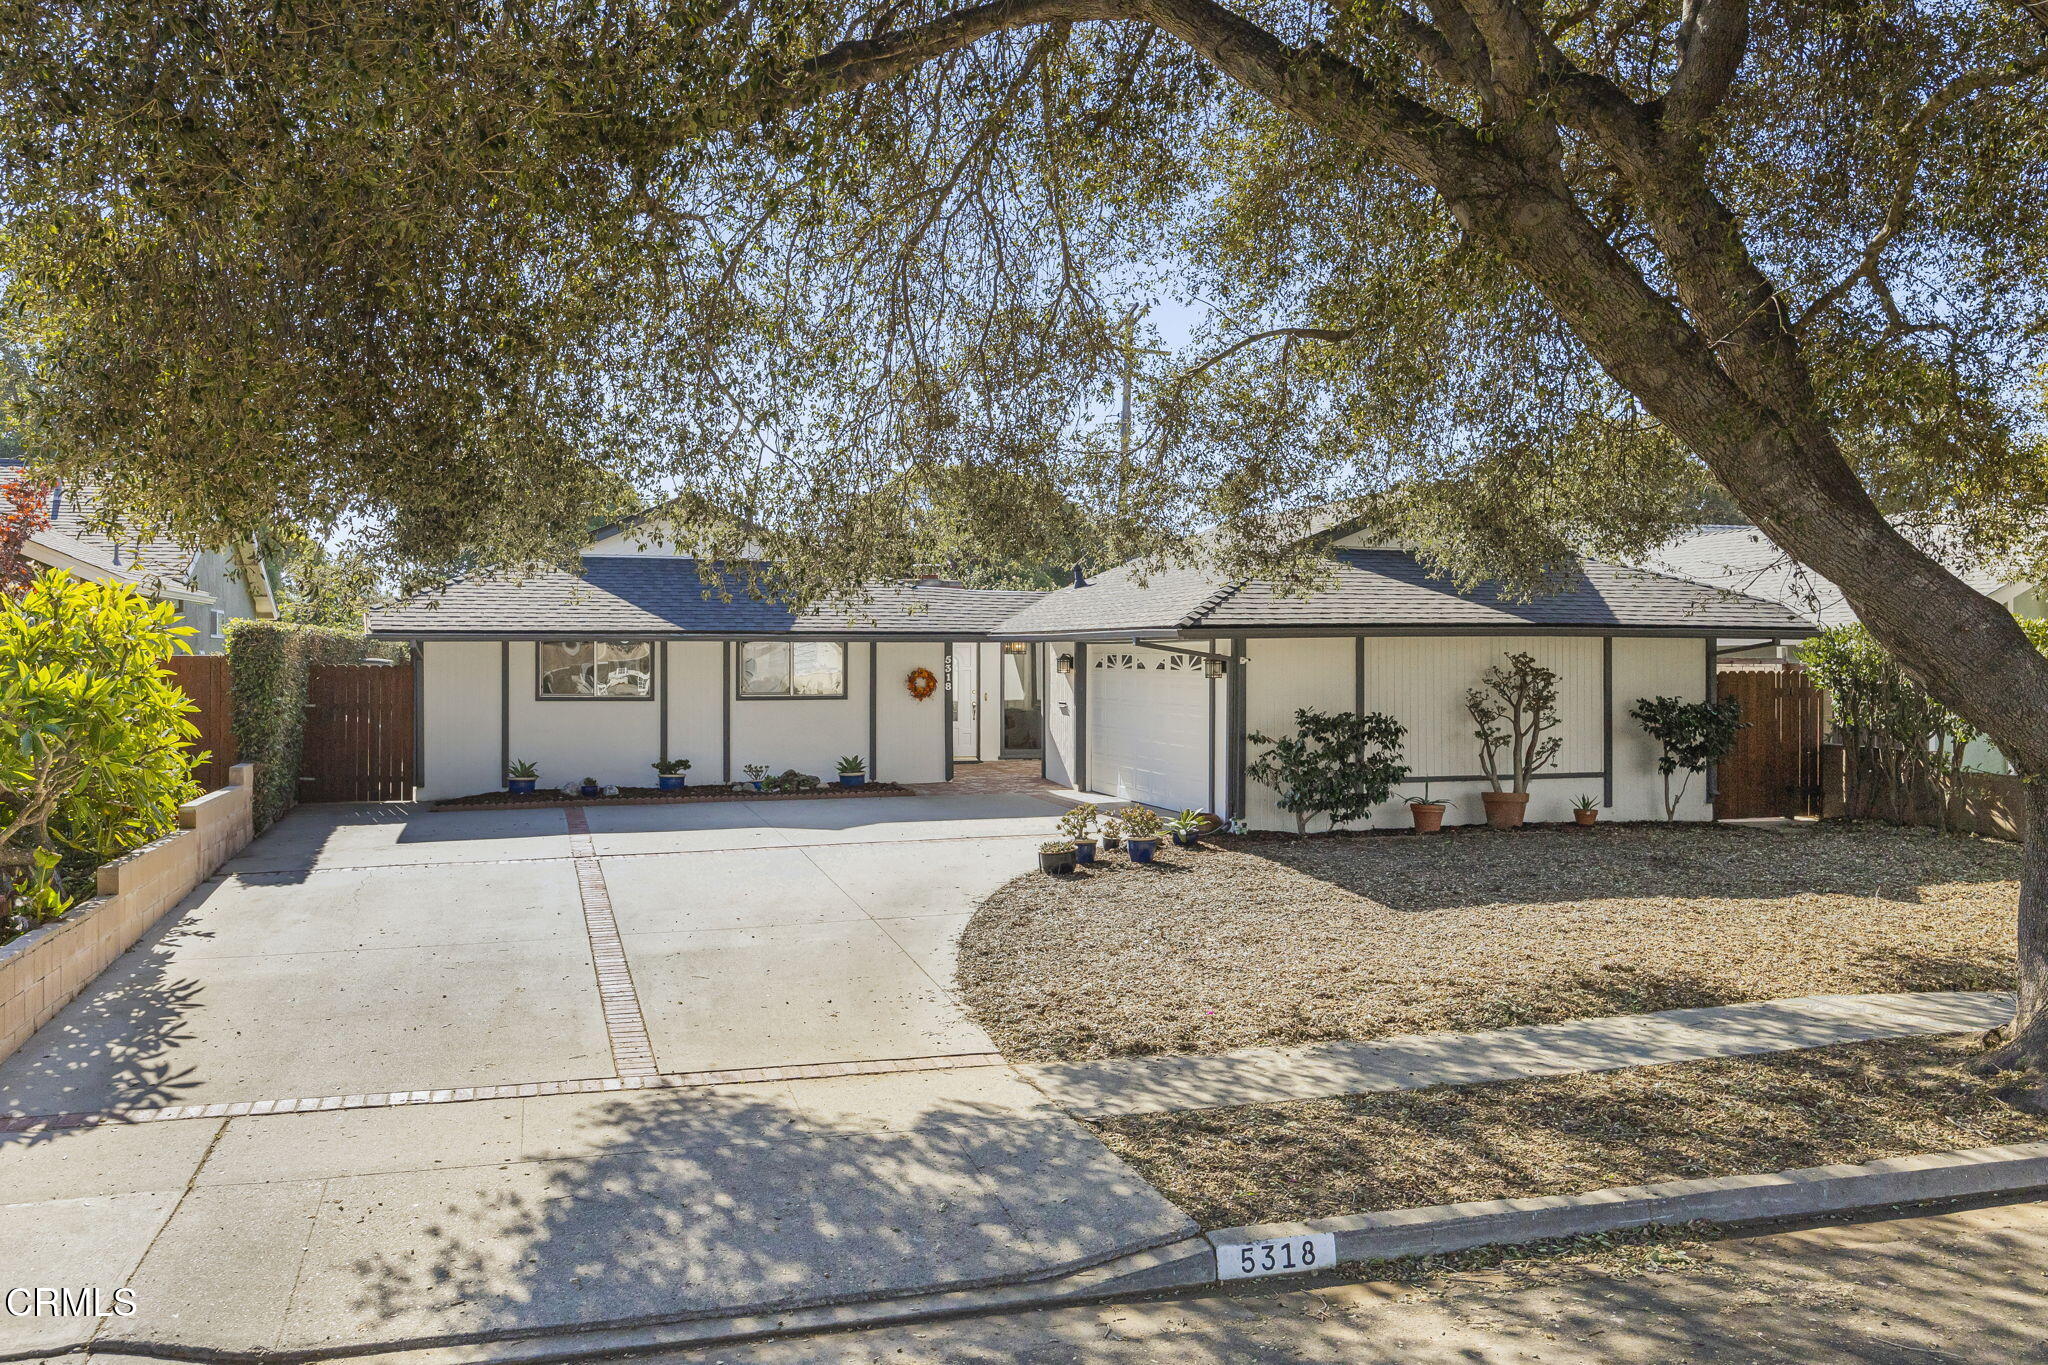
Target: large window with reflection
x,y
595,670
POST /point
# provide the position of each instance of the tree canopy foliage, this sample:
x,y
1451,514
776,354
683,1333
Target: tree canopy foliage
x,y
459,274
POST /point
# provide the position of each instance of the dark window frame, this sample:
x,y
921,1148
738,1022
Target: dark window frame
x,y
739,672
654,653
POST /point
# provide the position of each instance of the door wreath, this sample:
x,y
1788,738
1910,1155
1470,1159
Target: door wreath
x,y
922,683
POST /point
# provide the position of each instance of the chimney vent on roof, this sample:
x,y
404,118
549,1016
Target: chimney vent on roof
x,y
1080,579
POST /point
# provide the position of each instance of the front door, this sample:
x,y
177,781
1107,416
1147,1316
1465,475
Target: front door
x,y
966,701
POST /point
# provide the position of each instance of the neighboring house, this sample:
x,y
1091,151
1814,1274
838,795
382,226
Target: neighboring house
x,y
1132,690
210,587
1743,559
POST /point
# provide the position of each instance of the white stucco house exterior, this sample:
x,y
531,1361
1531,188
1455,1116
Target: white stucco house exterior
x,y
1131,688
210,587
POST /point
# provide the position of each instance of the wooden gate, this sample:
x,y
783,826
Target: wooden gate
x,y
204,678
1775,768
359,733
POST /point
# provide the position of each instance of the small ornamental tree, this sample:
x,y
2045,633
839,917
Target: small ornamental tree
x,y
24,510
1339,766
1515,708
1691,735
95,760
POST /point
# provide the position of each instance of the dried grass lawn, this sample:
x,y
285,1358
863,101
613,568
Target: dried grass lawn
x,y
1569,1134
1275,942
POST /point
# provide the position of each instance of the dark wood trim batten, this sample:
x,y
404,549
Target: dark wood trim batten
x,y
1607,720
1080,715
504,710
874,697
1238,668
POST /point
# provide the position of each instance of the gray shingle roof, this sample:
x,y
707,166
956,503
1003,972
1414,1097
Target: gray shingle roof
x,y
662,595
1392,589
75,507
1743,559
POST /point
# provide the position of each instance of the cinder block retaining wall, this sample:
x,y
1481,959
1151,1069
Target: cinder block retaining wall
x,y
40,972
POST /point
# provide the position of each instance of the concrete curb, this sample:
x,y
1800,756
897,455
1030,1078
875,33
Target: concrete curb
x,y
1815,1190
1190,1263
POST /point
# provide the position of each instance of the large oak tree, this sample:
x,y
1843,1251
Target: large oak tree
x,y
872,282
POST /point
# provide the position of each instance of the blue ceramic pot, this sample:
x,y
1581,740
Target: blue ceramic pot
x,y
672,782
1142,849
1084,851
520,785
853,779
587,791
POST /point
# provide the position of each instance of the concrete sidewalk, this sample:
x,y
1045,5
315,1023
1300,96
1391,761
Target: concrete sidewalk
x,y
1274,1075
349,1229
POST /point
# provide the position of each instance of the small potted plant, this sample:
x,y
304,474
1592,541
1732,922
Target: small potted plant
x,y
757,773
1585,810
1187,827
669,773
1427,814
520,776
590,788
1112,833
1142,828
1074,828
1056,857
853,771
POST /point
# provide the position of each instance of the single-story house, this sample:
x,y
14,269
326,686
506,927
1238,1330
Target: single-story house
x,y
209,587
1140,688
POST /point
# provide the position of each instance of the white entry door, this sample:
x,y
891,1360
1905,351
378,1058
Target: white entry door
x,y
966,701
1148,727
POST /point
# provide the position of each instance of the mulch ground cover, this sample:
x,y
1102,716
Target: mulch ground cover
x,y
1570,1134
1276,941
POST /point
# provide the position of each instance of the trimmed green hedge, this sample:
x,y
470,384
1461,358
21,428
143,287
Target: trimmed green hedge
x,y
267,663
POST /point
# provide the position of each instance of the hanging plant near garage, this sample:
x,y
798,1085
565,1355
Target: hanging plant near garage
x,y
922,683
1339,766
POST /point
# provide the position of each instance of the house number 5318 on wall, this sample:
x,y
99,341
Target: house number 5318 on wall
x,y
1276,1256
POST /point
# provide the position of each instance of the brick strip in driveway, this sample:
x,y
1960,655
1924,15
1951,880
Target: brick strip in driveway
x,y
632,1050
670,1080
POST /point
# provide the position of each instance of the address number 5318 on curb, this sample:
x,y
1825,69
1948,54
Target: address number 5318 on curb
x,y
1276,1256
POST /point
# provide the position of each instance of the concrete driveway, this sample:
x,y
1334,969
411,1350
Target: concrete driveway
x,y
408,1077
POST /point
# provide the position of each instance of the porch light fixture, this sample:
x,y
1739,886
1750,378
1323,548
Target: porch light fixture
x,y
1215,668
1065,664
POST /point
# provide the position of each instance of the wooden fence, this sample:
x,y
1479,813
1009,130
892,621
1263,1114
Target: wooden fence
x,y
1989,803
1775,768
359,733
204,678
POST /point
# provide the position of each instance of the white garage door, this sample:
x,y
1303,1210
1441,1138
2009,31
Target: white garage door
x,y
1148,727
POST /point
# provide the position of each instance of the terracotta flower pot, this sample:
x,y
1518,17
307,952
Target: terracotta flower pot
x,y
1585,817
1505,810
1429,816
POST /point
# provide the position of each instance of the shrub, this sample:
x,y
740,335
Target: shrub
x,y
1690,735
267,663
1339,766
94,760
1515,707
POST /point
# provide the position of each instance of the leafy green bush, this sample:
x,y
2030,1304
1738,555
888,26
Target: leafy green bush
x,y
1339,766
93,760
267,663
1690,735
